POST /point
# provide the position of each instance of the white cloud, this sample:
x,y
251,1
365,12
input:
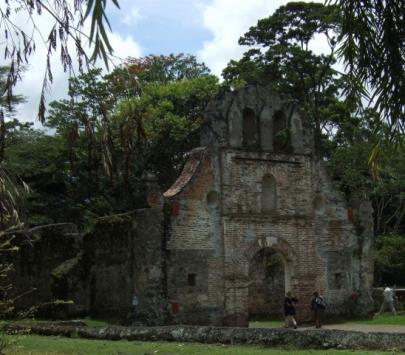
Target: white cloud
x,y
124,47
30,86
132,18
228,20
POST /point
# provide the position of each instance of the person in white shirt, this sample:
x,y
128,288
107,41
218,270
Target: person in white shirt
x,y
388,297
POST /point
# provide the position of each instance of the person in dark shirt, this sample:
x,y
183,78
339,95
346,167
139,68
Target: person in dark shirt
x,y
318,306
289,310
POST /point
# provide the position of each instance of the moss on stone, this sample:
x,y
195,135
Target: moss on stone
x,y
114,219
63,269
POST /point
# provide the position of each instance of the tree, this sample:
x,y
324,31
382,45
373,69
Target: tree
x,y
115,127
372,44
19,44
6,106
390,257
38,160
165,68
8,191
172,115
281,55
348,166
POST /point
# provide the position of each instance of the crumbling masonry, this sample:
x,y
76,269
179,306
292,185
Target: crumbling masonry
x,y
252,216
252,198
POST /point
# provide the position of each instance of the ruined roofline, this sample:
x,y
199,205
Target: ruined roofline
x,y
190,168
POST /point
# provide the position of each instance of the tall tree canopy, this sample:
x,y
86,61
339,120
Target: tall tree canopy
x,y
373,47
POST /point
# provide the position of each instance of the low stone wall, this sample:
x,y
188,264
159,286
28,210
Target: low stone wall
x,y
311,339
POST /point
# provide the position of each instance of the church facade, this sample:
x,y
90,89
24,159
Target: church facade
x,y
254,215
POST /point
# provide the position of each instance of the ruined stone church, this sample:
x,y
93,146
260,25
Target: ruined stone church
x,y
252,197
252,216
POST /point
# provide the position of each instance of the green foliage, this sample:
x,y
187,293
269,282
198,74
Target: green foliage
x,y
372,43
38,160
172,119
164,69
105,139
384,319
114,219
390,259
345,132
263,323
295,22
348,166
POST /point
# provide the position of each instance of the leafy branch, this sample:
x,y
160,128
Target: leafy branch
x,y
68,26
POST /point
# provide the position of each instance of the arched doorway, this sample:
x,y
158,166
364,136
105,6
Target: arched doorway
x,y
268,278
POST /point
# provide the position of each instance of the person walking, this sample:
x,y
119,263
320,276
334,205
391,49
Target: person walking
x,y
388,297
289,310
318,306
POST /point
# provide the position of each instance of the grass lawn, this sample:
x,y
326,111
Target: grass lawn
x,y
35,345
383,319
266,323
87,321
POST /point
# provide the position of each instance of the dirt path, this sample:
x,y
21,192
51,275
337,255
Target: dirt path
x,y
366,328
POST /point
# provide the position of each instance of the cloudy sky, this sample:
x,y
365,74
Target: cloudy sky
x,y
208,29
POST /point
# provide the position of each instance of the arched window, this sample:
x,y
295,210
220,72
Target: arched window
x,y
250,134
319,204
269,193
281,134
212,199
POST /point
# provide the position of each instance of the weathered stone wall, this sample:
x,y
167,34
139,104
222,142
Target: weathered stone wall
x,y
126,271
344,231
195,263
40,251
117,270
270,193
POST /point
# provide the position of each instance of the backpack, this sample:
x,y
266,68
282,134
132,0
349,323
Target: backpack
x,y
320,302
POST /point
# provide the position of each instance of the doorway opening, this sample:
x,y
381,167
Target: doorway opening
x,y
268,283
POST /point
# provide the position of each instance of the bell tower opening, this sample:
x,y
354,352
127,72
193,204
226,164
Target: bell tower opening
x,y
281,133
250,132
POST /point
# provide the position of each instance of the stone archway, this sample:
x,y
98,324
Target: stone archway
x,y
237,282
280,259
267,284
